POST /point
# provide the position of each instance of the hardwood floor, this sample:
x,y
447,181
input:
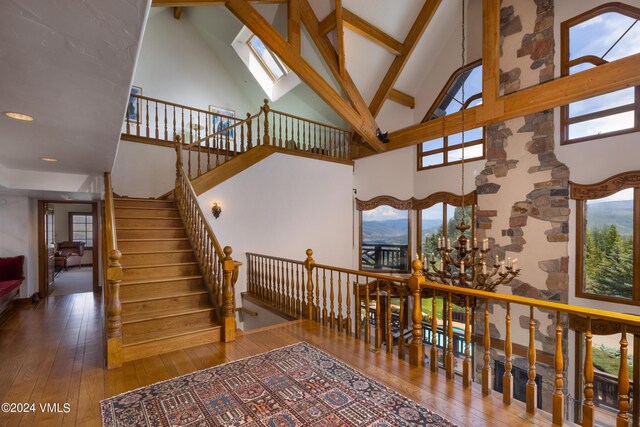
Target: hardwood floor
x,y
53,353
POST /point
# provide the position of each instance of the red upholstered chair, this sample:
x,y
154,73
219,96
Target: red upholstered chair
x,y
11,277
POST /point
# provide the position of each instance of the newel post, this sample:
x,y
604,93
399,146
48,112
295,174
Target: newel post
x,y
114,310
309,263
228,298
416,282
249,132
266,139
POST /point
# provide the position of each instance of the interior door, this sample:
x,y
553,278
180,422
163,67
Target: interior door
x,y
50,245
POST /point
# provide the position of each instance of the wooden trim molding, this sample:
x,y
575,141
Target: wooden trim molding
x,y
606,187
417,204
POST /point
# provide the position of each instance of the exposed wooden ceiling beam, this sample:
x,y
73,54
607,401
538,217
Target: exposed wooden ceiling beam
x,y
490,52
185,3
329,55
362,27
340,37
294,25
402,98
364,125
606,78
410,42
177,12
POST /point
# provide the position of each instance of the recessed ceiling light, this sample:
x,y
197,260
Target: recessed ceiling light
x,y
18,116
48,159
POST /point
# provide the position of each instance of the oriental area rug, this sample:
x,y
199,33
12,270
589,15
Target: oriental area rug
x,y
297,385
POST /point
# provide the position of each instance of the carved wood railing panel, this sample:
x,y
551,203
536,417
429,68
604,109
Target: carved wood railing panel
x,y
386,312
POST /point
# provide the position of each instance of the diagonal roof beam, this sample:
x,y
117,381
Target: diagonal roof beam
x,y
185,3
363,124
340,37
402,98
362,27
410,42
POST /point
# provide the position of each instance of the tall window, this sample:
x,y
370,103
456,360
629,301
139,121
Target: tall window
x,y
608,221
384,239
448,149
81,228
271,63
601,35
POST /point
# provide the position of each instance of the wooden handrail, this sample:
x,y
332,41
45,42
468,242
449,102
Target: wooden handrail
x,y
113,313
308,289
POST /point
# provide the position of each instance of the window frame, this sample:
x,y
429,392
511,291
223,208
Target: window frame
x,y
566,63
283,68
430,116
70,229
376,203
581,193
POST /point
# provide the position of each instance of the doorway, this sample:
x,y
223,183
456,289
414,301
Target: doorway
x,y
68,246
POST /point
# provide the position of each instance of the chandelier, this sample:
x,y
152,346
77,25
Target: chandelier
x,y
470,267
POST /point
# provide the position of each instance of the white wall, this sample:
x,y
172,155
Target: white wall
x,y
18,236
143,170
177,65
282,206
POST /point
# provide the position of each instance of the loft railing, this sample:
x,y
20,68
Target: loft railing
x,y
360,303
211,139
219,270
111,280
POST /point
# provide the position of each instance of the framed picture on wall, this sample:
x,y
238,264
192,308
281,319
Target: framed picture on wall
x,y
221,119
134,105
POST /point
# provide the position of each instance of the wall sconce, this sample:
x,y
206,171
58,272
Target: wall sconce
x,y
216,210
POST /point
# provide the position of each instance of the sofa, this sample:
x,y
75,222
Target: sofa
x,y
11,277
69,254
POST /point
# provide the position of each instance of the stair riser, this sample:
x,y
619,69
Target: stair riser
x,y
133,203
160,245
177,303
143,290
160,272
148,222
141,233
132,331
128,260
138,351
147,213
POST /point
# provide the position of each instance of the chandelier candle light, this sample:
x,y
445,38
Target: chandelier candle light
x,y
452,270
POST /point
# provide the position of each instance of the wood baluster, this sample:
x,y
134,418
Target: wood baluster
x,y
258,139
401,327
285,286
467,368
290,294
332,314
279,130
558,395
389,337
274,283
357,309
348,318
622,419
324,303
507,377
367,324
416,283
531,384
587,405
249,132
266,140
297,290
265,280
243,142
250,274
433,355
378,336
175,134
316,309
199,147
309,264
298,140
156,123
286,132
340,317
147,134
449,362
166,130
486,369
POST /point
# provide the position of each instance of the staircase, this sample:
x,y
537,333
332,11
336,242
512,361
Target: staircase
x,y
165,302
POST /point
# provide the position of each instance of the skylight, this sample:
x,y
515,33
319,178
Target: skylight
x,y
271,63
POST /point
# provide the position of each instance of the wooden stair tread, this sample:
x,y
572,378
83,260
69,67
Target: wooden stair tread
x,y
161,239
163,314
173,251
139,199
143,208
149,228
153,218
158,280
161,297
161,335
130,267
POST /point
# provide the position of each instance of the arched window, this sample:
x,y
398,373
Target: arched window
x,y
598,36
447,150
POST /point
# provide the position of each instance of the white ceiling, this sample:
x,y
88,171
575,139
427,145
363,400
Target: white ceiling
x,y
69,64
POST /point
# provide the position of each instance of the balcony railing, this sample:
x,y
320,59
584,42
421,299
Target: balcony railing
x,y
358,303
384,257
